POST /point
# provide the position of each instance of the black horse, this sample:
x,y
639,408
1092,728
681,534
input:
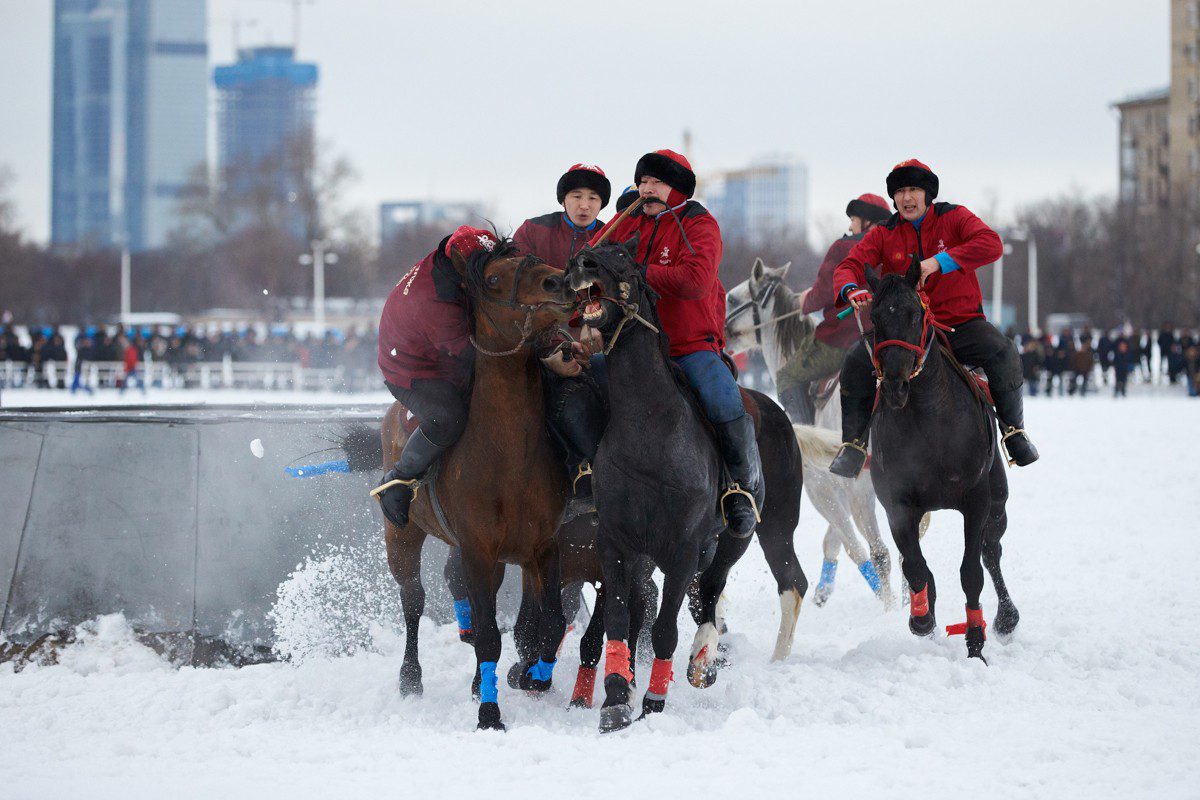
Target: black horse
x,y
935,447
657,478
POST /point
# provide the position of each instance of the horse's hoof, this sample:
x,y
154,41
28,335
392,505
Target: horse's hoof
x,y
923,626
702,675
580,702
616,717
1006,619
514,674
467,636
489,717
975,638
650,706
821,593
528,683
410,679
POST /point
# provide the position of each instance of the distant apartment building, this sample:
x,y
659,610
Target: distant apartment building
x,y
767,199
129,118
1159,142
397,217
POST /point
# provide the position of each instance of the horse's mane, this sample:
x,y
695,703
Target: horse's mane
x,y
477,263
792,331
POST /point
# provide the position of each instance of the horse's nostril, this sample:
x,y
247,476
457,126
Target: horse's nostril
x,y
554,283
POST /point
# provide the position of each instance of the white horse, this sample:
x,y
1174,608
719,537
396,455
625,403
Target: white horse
x,y
764,313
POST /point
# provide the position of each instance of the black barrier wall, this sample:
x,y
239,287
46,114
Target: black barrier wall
x,y
170,516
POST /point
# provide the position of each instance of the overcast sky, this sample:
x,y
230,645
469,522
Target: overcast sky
x,y
1007,101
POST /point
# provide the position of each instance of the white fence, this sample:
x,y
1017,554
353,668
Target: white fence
x,y
223,374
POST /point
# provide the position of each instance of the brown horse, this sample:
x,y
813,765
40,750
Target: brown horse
x,y
502,486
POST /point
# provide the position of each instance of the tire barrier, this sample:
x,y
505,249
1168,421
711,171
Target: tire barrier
x,y
187,521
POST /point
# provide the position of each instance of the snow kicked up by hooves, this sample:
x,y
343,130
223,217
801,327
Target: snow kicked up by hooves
x,y
1096,696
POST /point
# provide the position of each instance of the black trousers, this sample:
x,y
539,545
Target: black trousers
x,y
976,343
438,404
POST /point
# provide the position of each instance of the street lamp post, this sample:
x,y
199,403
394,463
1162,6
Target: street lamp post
x,y
319,257
125,282
1034,327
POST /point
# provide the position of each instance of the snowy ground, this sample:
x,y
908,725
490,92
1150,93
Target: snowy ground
x,y
1096,696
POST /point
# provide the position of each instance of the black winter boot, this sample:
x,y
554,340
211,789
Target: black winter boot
x,y
1010,409
856,421
399,485
742,501
579,420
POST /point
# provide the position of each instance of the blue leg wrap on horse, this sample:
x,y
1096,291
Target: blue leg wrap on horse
x,y
542,670
867,568
487,682
828,572
462,612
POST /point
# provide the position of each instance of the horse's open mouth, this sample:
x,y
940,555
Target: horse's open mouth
x,y
591,303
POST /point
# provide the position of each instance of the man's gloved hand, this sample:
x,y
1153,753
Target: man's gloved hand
x,y
860,299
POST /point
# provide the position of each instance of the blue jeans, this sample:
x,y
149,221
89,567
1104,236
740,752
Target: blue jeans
x,y
708,375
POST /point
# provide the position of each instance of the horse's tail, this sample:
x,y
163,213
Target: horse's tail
x,y
362,445
817,445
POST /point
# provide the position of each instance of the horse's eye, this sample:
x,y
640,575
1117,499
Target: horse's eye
x,y
493,281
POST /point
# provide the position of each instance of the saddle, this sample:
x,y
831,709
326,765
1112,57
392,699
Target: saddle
x,y
821,391
977,382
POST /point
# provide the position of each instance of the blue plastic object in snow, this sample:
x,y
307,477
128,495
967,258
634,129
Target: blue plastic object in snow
x,y
313,470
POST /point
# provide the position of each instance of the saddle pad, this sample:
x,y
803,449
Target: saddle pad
x,y
822,390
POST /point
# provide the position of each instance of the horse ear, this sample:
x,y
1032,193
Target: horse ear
x,y
913,276
783,271
872,280
631,244
460,263
757,271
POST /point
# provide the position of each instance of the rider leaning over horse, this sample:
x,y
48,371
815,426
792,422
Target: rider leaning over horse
x,y
833,336
950,243
679,244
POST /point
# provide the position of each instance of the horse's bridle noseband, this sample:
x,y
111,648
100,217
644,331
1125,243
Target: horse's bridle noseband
x,y
921,348
757,301
513,305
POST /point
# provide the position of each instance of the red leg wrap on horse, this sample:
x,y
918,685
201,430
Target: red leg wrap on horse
x,y
660,677
974,620
585,685
919,602
616,659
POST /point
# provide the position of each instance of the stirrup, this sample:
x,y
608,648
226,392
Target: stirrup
x,y
411,483
735,489
585,469
854,445
1004,443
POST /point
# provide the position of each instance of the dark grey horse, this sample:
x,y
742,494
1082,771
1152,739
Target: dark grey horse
x,y
935,447
657,478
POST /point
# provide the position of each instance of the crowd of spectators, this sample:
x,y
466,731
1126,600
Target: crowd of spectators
x,y
1071,363
178,347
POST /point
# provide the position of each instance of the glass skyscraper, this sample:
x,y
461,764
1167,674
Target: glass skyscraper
x,y
768,199
129,117
265,114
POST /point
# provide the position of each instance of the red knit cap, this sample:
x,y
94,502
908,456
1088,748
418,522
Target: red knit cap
x,y
467,240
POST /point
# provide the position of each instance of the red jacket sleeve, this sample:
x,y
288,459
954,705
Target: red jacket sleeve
x,y
693,275
821,295
978,245
869,251
522,239
450,332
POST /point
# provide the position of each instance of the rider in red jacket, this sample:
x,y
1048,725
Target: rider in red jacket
x,y
833,336
583,190
680,245
951,243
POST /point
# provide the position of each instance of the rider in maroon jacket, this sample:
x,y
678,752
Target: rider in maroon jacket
x,y
583,190
833,336
951,243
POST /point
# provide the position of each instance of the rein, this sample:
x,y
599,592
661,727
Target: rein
x,y
922,347
631,312
755,304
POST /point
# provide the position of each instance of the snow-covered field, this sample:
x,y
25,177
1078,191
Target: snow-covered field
x,y
1096,696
